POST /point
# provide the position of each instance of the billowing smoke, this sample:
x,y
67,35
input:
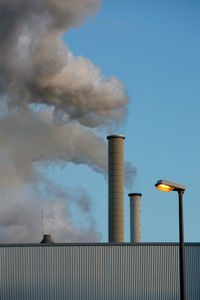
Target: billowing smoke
x,y
37,67
52,105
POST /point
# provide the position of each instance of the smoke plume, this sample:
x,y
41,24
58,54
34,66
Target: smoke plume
x,y
52,106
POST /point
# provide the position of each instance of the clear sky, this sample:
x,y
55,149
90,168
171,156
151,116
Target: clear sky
x,y
153,47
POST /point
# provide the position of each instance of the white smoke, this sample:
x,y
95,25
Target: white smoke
x,y
20,215
37,67
50,102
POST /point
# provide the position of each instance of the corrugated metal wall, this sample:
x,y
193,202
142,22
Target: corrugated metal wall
x,y
97,271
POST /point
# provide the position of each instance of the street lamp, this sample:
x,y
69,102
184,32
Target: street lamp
x,y
168,186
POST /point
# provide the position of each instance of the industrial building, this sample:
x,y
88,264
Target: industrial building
x,y
97,271
100,271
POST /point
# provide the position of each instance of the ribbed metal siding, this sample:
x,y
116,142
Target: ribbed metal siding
x,y
91,272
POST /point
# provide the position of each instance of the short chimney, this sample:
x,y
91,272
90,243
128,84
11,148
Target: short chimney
x,y
135,217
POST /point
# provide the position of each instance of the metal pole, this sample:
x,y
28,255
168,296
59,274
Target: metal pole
x,y
181,248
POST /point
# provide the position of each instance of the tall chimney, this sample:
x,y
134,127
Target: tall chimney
x,y
135,217
116,188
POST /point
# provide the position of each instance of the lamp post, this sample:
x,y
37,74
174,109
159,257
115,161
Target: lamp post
x,y
168,186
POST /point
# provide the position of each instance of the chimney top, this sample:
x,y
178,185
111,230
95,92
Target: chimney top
x,y
115,136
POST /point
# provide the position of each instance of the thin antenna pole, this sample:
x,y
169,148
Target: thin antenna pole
x,y
42,223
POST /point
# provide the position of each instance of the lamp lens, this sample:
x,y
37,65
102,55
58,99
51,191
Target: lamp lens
x,y
164,188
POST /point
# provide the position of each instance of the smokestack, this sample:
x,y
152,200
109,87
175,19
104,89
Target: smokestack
x,y
116,188
135,217
47,239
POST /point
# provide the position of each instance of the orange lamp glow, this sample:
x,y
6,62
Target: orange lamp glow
x,y
164,187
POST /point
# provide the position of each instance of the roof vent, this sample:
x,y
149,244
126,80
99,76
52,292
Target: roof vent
x,y
47,239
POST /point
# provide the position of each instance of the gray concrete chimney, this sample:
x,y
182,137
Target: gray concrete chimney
x,y
135,217
116,188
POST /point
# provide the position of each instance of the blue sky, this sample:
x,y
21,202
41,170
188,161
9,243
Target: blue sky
x,y
153,47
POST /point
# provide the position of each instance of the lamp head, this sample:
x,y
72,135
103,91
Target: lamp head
x,y
168,186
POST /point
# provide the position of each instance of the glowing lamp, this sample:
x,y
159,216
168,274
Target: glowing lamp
x,y
168,186
164,188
